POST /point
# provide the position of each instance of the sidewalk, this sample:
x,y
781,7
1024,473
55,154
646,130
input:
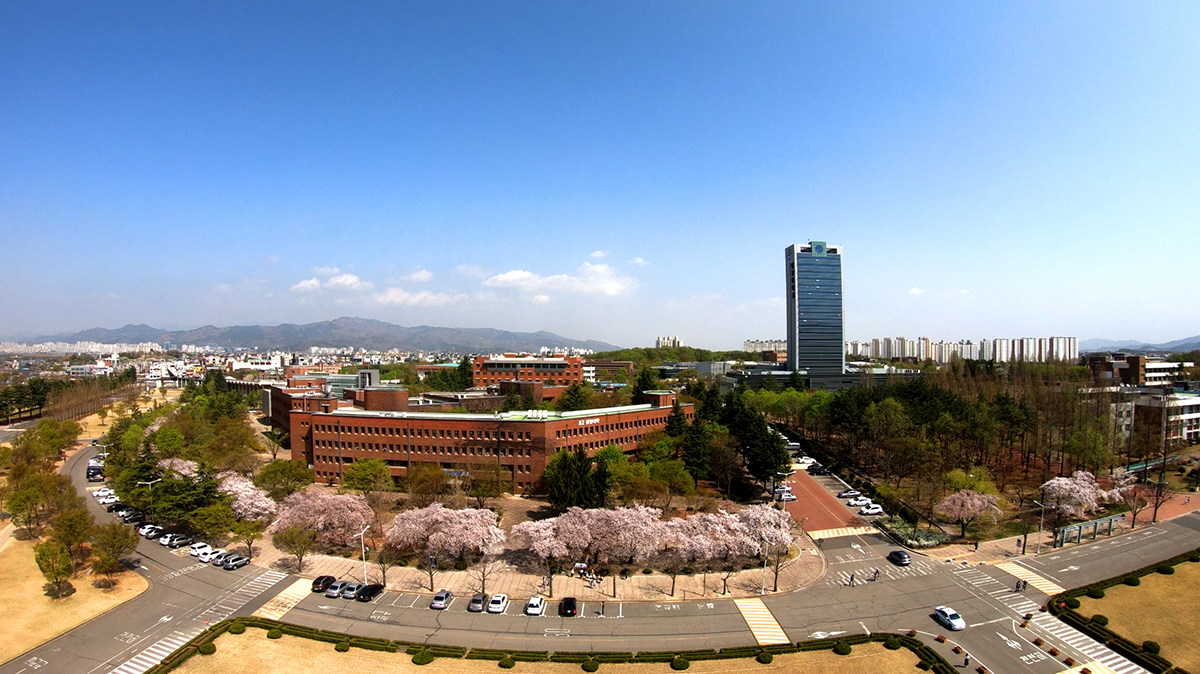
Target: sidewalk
x,y
796,573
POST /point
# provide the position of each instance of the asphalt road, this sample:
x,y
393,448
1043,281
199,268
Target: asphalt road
x,y
7,433
183,594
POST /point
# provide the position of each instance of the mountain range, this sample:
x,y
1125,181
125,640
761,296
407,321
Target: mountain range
x,y
1178,346
343,332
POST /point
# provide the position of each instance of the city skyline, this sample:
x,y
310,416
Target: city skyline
x,y
611,173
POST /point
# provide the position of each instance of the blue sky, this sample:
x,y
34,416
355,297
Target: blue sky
x,y
602,170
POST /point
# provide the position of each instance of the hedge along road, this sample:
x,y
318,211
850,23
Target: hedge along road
x,y
893,604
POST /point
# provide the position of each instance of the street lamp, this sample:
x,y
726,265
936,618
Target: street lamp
x,y
151,482
363,540
1041,523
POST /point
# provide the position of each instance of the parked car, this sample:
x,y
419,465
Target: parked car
x,y
567,607
108,500
477,603
208,557
179,542
154,534
101,493
859,501
195,549
899,558
849,493
782,488
147,528
950,618
368,592
535,606
133,517
97,476
335,588
873,509
442,600
350,590
804,460
498,604
785,497
322,583
116,507
219,559
235,562
170,538
816,469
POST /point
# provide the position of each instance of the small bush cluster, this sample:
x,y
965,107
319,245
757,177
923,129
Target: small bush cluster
x,y
237,628
207,648
1133,581
507,663
680,664
764,658
590,665
1166,569
342,646
274,633
1072,603
1100,619
1095,593
842,648
422,658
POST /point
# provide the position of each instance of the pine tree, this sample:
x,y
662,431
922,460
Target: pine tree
x,y
676,423
647,380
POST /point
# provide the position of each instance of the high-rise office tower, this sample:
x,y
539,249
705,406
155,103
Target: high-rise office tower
x,y
815,330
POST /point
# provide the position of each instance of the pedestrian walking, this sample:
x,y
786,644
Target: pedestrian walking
x,y
876,576
1018,545
976,546
1017,587
967,660
1024,585
852,580
601,609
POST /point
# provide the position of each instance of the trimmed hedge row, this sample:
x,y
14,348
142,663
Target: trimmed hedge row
x,y
1064,606
930,660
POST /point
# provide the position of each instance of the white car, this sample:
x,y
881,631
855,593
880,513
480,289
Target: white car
x,y
208,555
101,493
804,460
195,549
536,606
783,488
147,528
859,501
498,604
785,497
950,618
111,498
873,509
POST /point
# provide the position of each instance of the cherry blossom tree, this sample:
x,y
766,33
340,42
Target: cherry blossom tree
x,y
249,502
966,506
539,538
774,529
181,467
336,518
1076,496
680,539
436,530
1134,495
727,543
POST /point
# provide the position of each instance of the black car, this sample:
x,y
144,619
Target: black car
x,y
117,507
818,470
899,558
368,592
322,583
567,607
132,516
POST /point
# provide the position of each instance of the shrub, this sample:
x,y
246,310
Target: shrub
x,y
342,646
892,644
1194,558
1151,647
590,665
207,648
922,665
1133,581
346,554
841,648
764,657
1166,569
1100,619
680,664
1072,603
275,633
647,571
1095,593
507,662
422,658
236,628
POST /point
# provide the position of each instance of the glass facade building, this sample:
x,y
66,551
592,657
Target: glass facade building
x,y
815,331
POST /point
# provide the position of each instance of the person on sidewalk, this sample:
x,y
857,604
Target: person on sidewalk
x,y
852,580
967,660
876,576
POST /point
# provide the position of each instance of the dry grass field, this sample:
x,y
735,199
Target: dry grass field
x,y
35,618
254,652
1162,609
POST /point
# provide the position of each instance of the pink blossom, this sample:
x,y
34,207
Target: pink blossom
x,y
966,506
181,467
436,529
1077,495
249,502
336,518
772,527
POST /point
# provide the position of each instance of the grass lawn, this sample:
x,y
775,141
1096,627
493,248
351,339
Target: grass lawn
x,y
1162,609
254,652
34,618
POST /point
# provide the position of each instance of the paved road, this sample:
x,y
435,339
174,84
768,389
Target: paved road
x,y
901,599
7,433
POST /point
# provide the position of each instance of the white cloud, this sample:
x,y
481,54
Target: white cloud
x,y
326,271
401,297
307,286
474,271
639,262
348,282
541,299
420,276
591,279
597,254
915,291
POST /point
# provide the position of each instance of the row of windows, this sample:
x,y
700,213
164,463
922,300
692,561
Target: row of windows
x,y
424,432
427,449
526,366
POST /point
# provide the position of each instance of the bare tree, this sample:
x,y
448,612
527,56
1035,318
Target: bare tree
x,y
487,568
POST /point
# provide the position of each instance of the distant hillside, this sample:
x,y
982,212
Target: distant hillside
x,y
1178,346
344,332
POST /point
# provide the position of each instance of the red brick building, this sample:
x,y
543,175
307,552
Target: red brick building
x,y
548,370
328,434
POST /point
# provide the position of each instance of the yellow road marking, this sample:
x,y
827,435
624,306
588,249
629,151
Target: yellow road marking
x,y
841,531
285,600
1043,584
761,621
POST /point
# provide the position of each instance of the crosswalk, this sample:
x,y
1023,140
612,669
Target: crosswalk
x,y
840,532
285,601
887,572
220,610
761,621
1100,655
1043,584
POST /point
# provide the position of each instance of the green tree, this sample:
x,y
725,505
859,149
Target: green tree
x,y
169,442
677,423
249,531
73,528
54,561
571,480
576,397
425,482
371,475
697,449
107,567
278,438
672,475
114,540
213,521
25,505
488,480
296,541
647,380
281,479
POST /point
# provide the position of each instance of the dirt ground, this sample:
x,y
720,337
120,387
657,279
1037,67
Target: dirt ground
x,y
1162,609
34,618
254,652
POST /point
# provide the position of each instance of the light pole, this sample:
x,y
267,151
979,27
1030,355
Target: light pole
x,y
151,482
363,541
1041,523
